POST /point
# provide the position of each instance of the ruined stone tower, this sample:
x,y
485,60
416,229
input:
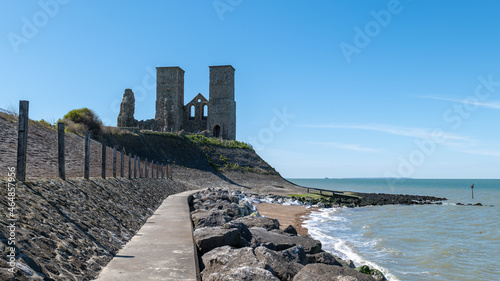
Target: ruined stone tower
x,y
170,98
127,108
215,116
222,107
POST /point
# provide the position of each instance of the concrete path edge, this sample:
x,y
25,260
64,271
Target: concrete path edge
x,y
163,249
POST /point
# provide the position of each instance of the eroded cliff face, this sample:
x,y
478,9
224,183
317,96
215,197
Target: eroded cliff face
x,y
69,230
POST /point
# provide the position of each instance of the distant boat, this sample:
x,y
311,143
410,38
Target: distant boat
x,y
326,178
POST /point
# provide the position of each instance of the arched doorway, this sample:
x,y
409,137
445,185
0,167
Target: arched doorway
x,y
216,131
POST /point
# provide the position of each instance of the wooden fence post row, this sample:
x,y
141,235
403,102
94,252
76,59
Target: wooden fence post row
x,y
22,148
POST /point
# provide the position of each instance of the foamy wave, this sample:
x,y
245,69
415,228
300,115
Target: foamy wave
x,y
344,249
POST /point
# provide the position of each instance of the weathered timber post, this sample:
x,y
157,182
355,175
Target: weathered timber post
x,y
22,140
114,162
146,168
103,160
130,165
169,170
153,169
162,169
60,150
122,165
86,169
139,166
135,166
157,169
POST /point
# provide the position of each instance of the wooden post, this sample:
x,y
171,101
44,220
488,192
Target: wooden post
x,y
22,140
122,165
146,168
135,166
162,169
139,166
130,165
114,162
103,160
86,170
157,169
169,170
60,150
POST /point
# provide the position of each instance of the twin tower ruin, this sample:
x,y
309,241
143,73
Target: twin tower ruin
x,y
217,114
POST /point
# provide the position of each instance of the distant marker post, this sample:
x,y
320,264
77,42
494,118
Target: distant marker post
x,y
472,189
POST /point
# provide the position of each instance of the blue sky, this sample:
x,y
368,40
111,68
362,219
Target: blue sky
x,y
323,88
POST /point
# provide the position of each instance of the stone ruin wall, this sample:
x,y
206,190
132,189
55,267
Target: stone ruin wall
x,y
215,117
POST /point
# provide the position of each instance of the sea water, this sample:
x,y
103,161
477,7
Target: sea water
x,y
421,242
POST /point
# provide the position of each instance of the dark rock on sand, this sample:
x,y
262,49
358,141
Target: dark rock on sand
x,y
323,272
209,238
291,230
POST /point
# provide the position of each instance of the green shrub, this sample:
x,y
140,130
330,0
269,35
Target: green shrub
x,y
83,120
45,124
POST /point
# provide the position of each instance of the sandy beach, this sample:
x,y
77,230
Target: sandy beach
x,y
287,215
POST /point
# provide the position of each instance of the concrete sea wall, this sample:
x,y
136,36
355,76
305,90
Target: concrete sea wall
x,y
69,230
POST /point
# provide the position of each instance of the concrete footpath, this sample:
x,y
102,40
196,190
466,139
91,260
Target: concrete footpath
x,y
163,249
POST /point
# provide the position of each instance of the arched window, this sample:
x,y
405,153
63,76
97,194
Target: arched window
x,y
205,111
191,112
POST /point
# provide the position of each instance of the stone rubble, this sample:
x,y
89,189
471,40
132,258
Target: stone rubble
x,y
236,243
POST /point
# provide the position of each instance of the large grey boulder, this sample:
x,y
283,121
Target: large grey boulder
x,y
253,221
244,273
324,272
245,234
203,218
227,263
244,209
279,240
209,238
326,258
284,264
